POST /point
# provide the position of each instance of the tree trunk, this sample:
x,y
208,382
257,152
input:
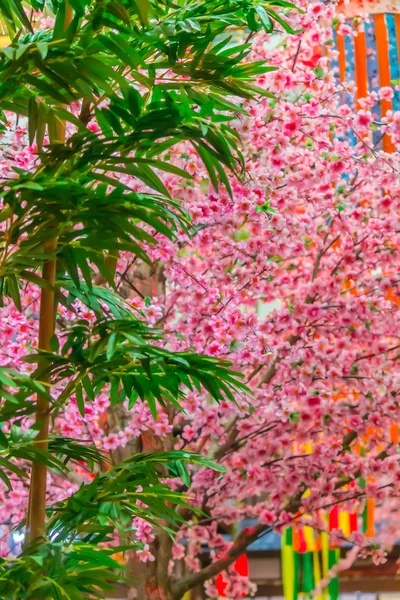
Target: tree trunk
x,y
150,580
37,491
150,280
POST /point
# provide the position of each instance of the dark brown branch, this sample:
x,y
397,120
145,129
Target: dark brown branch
x,y
85,115
376,354
271,372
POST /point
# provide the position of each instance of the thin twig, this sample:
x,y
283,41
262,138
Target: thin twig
x,y
296,56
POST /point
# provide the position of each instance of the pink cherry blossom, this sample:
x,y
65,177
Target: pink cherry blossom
x,y
145,554
294,278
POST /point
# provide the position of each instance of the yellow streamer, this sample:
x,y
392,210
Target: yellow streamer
x,y
288,574
325,557
344,522
309,537
317,572
325,553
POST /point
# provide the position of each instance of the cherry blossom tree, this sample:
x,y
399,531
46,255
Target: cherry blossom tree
x,y
292,275
68,216
295,279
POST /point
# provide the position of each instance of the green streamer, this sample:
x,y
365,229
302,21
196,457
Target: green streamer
x,y
333,587
308,576
296,575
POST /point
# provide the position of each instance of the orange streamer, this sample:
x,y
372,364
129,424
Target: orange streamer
x,y
360,48
342,58
370,532
394,433
296,540
382,50
392,297
397,21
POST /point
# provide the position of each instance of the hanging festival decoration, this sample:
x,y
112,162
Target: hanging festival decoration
x,y
308,557
369,56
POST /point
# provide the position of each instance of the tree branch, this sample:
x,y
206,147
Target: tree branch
x,y
250,534
246,537
85,115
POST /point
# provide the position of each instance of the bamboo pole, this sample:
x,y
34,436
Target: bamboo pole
x,y
36,516
37,491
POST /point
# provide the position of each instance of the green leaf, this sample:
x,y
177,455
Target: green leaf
x,y
43,48
32,119
183,472
265,19
5,479
87,386
9,52
114,392
152,404
13,291
319,72
112,342
3,440
41,125
17,10
282,22
32,277
48,90
79,399
54,343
